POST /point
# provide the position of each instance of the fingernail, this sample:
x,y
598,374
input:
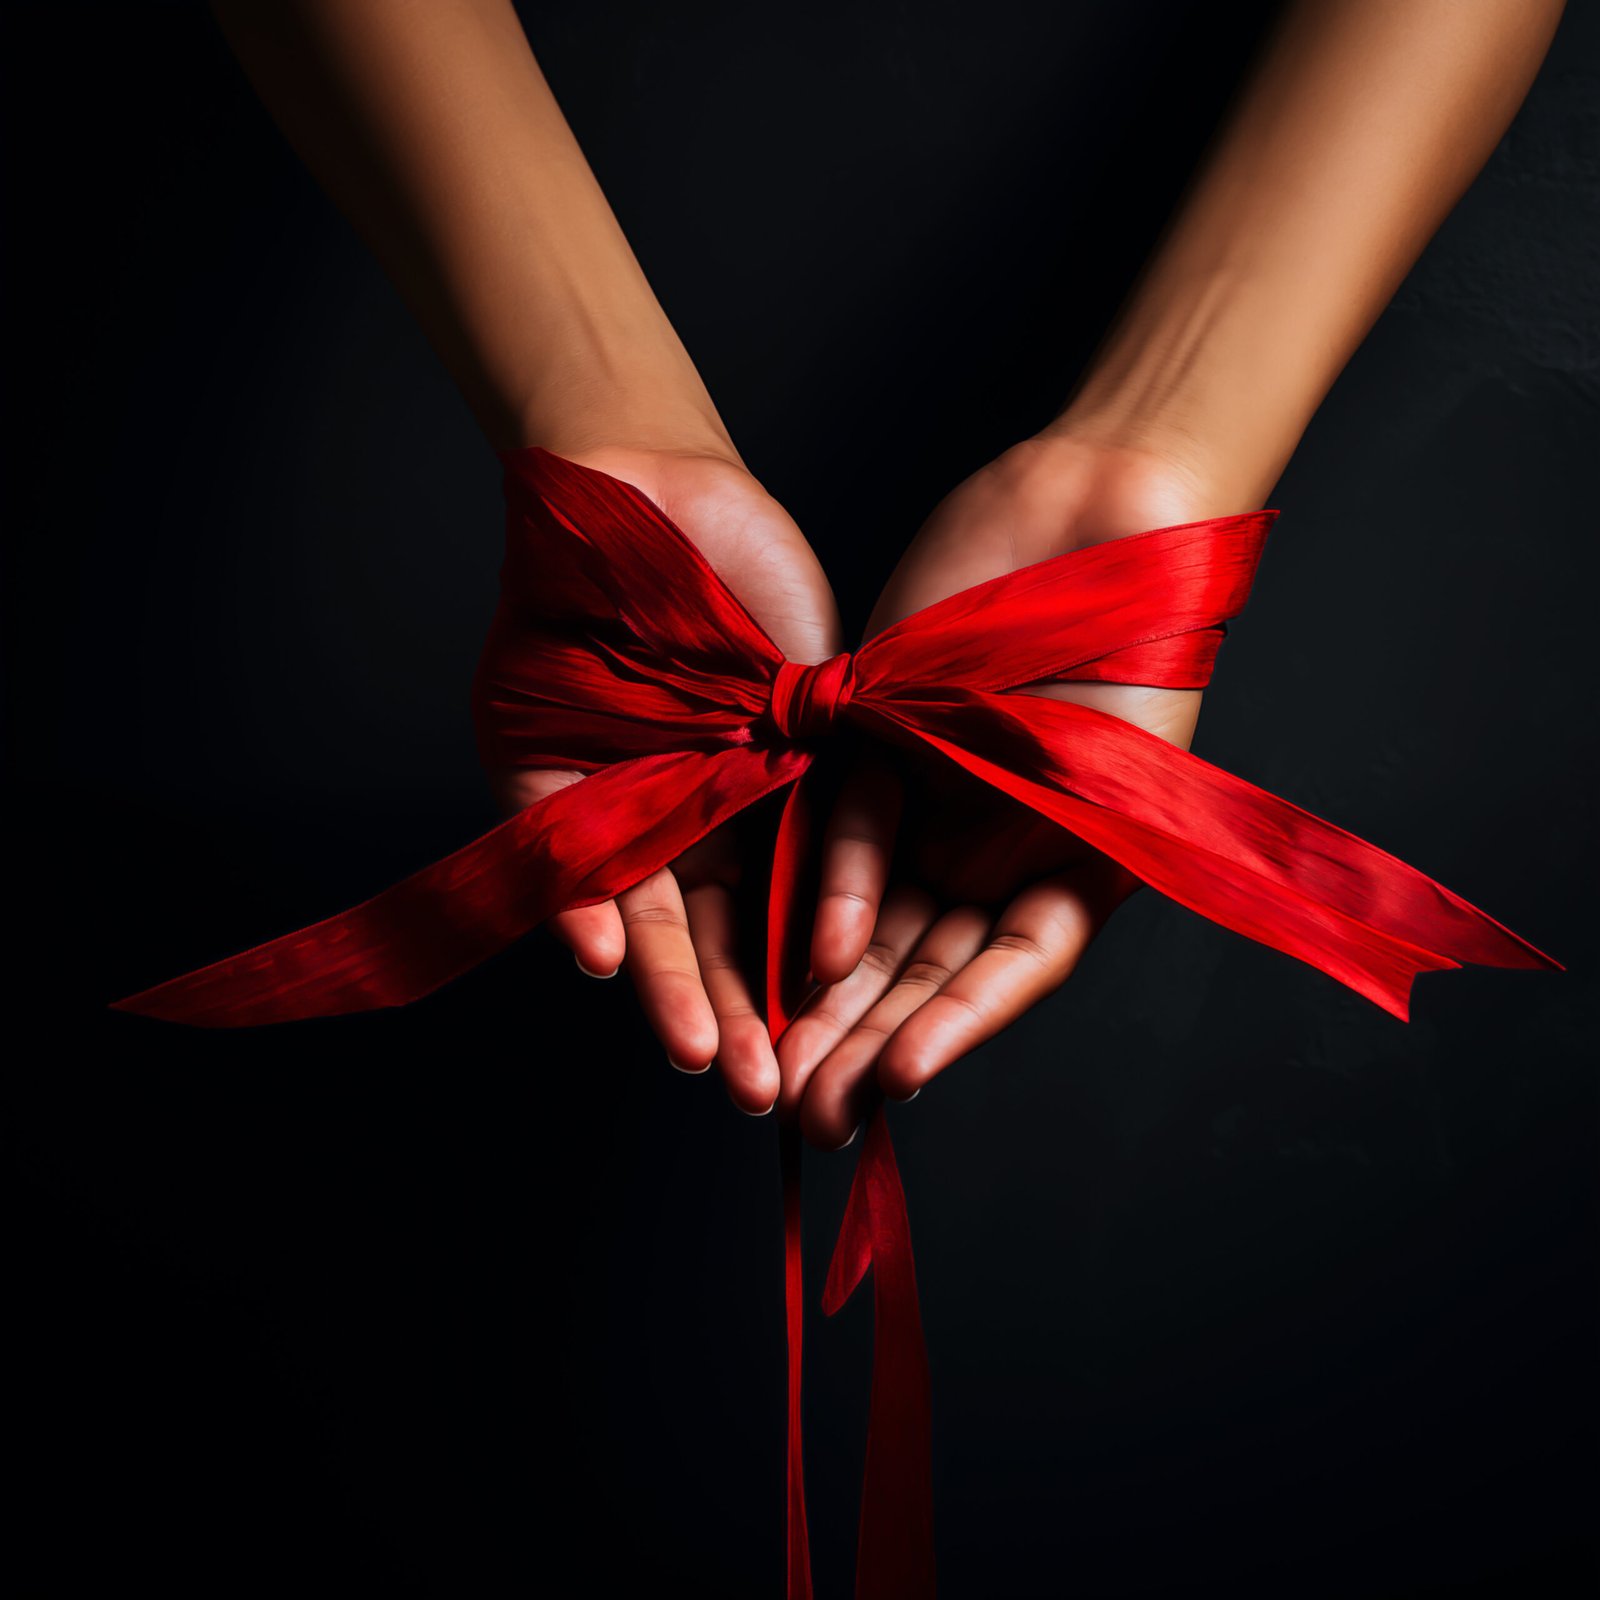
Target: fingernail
x,y
694,1072
905,1099
850,1141
766,1113
588,974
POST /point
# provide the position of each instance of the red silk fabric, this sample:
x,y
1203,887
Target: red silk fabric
x,y
618,652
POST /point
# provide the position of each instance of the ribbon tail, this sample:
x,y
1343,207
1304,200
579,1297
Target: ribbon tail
x,y
783,904
1242,857
580,845
894,1558
797,1532
895,1554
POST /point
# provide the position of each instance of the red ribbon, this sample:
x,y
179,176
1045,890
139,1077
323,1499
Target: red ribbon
x,y
618,652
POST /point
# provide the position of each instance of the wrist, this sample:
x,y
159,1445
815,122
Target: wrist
x,y
639,420
1215,372
615,386
1072,488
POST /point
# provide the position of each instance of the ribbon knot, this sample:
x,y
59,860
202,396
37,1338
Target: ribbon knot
x,y
807,699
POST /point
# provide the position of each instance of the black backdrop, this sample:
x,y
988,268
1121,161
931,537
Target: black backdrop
x,y
1233,1285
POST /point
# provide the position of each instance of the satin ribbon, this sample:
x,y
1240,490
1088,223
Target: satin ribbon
x,y
616,651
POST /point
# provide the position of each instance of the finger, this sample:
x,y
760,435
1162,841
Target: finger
x,y
744,1052
841,1089
661,962
595,937
857,846
1035,944
907,914
594,933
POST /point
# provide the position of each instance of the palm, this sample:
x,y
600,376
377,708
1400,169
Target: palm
x,y
989,906
675,930
965,840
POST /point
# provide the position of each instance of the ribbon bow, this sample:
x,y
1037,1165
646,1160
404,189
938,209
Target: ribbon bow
x,y
617,651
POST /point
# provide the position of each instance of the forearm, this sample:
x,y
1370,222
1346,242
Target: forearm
x,y
433,129
1361,128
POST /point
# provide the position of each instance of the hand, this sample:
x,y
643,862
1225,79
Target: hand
x,y
675,931
990,907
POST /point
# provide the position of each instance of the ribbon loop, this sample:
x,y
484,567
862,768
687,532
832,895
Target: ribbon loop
x,y
806,700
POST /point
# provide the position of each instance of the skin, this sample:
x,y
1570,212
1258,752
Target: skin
x,y
1362,126
676,932
433,129
942,918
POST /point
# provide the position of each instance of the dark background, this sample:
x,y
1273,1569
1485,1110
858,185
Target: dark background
x,y
1233,1284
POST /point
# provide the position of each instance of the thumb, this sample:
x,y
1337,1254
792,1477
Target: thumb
x,y
857,847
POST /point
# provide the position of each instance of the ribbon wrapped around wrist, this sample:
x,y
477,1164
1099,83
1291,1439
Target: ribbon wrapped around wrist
x,y
616,651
